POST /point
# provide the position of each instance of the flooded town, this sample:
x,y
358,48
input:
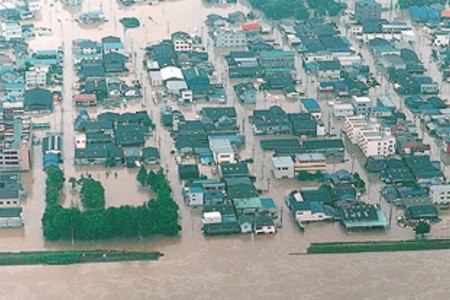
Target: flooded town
x,y
235,139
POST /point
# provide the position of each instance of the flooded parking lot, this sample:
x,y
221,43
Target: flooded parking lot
x,y
195,266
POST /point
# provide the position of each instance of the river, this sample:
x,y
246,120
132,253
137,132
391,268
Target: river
x,y
194,266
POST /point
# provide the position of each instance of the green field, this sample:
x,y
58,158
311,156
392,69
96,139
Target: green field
x,y
378,246
73,257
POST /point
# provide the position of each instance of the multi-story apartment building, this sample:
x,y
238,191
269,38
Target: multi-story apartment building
x,y
370,136
11,30
15,145
182,41
35,77
362,105
440,194
230,37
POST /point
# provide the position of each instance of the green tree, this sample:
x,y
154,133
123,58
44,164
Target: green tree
x,y
51,195
157,216
141,176
55,177
51,230
92,194
73,181
301,13
110,162
359,183
156,180
306,176
123,220
422,228
149,123
94,225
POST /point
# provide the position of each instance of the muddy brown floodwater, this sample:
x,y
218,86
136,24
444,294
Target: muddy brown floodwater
x,y
194,266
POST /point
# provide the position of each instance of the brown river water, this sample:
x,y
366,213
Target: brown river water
x,y
194,266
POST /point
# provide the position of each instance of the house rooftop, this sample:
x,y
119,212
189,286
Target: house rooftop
x,y
282,161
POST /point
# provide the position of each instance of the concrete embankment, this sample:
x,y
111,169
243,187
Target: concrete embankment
x,y
74,257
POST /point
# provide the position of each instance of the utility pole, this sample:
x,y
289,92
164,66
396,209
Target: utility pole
x,y
353,162
329,124
281,215
391,8
390,215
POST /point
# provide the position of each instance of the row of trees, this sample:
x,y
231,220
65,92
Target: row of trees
x,y
124,221
297,9
157,216
281,9
92,193
54,184
326,7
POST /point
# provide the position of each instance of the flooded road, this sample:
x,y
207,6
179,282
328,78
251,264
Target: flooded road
x,y
194,266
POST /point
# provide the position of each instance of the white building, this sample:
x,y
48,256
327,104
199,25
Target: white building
x,y
354,124
362,105
356,29
16,107
375,143
440,194
186,96
343,110
155,78
36,77
182,41
11,30
370,136
34,5
306,211
317,56
441,39
213,217
321,128
171,73
310,212
282,167
222,151
230,38
194,196
80,140
72,2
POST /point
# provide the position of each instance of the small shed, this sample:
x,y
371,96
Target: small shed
x,y
282,167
